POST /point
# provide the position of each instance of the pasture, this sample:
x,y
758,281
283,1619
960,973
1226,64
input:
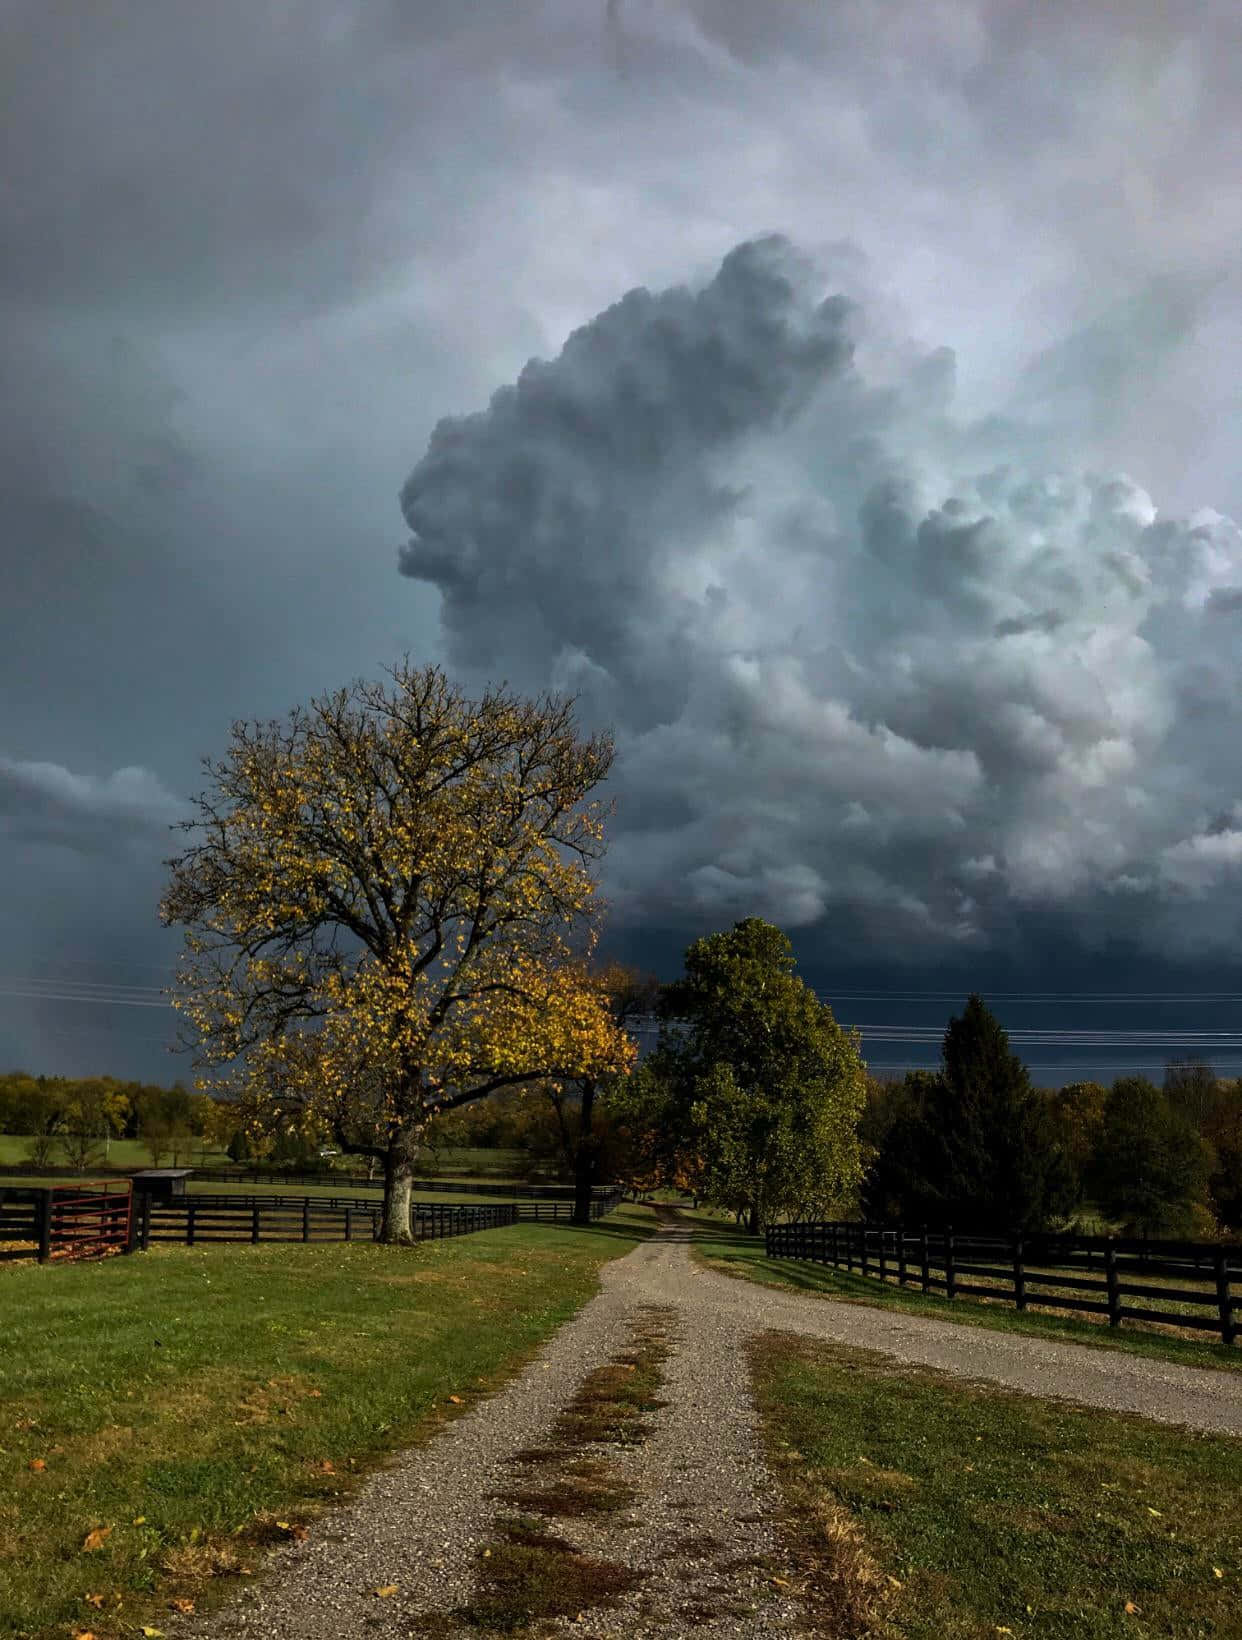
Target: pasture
x,y
184,1407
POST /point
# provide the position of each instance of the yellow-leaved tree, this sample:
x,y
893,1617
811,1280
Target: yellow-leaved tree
x,y
389,913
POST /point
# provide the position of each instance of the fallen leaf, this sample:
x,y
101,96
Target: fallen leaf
x,y
95,1600
781,1582
386,1589
455,1399
151,1634
315,1394
895,1581
1133,1610
1001,1629
140,1520
97,1538
1216,1572
37,1464
185,1606
83,1634
1152,1511
283,1524
325,1466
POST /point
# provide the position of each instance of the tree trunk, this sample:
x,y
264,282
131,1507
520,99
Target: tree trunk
x,y
398,1178
584,1161
755,1215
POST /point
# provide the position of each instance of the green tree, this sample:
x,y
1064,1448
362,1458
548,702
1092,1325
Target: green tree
x,y
973,1145
765,1088
1078,1112
1224,1135
1192,1089
895,1184
1150,1169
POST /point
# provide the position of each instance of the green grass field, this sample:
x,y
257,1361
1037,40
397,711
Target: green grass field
x,y
185,1402
719,1244
929,1509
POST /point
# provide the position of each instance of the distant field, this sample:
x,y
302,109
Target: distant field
x,y
121,1154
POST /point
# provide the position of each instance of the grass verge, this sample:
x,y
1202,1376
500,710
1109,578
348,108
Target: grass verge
x,y
923,1508
163,1417
722,1247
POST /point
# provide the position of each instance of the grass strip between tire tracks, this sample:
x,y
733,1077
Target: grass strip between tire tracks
x,y
190,1406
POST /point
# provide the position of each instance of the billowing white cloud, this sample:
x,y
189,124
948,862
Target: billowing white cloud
x,y
872,667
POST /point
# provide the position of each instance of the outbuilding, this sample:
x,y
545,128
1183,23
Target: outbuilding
x,y
162,1184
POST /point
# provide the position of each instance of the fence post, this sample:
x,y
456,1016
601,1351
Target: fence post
x,y
1228,1330
189,1221
862,1247
882,1233
254,1224
146,1220
849,1249
349,1224
1110,1276
901,1255
925,1259
1019,1274
950,1279
306,1218
45,1226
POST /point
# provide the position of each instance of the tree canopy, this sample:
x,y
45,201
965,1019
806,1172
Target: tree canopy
x,y
763,1087
391,912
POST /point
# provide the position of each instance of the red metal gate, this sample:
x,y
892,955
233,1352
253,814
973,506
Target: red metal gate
x,y
90,1220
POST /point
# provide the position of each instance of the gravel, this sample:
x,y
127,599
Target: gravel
x,y
702,1528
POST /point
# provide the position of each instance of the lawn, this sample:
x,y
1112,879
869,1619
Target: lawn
x,y
723,1247
184,1407
928,1509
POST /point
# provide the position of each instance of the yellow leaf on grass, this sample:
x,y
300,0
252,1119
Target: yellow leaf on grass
x,y
1152,1511
140,1520
95,1600
184,1606
151,1634
386,1589
83,1634
1133,1610
1216,1572
97,1538
455,1399
37,1464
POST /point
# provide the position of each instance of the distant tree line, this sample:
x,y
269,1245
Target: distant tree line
x,y
976,1145
72,1120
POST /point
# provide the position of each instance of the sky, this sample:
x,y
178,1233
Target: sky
x,y
841,401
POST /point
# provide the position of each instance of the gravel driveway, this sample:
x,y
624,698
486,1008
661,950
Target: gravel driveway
x,y
701,1529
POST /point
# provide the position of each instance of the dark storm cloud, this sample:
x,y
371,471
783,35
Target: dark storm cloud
x,y
888,685
255,251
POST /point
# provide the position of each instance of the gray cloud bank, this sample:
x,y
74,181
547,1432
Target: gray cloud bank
x,y
877,672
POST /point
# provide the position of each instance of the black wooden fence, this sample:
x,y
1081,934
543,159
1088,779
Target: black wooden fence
x,y
31,1225
1199,1284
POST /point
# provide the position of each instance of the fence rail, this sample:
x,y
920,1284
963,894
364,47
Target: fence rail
x,y
1050,1272
45,1222
197,1220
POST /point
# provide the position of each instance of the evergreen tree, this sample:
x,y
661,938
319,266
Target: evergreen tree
x,y
974,1146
